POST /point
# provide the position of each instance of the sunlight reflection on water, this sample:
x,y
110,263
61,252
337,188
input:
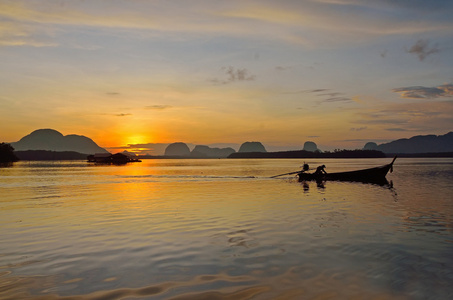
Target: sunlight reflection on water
x,y
223,229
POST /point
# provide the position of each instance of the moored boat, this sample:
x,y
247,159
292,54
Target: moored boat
x,y
371,175
115,159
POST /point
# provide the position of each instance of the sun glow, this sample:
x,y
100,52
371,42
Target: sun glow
x,y
138,139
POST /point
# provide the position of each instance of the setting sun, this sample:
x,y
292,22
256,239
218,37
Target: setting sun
x,y
138,139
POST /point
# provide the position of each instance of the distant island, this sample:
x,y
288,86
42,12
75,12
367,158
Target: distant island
x,y
201,151
252,147
416,144
311,154
52,140
181,150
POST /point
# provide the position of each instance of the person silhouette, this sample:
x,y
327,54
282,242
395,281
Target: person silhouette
x,y
320,170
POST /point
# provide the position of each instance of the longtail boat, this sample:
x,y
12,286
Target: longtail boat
x,y
371,175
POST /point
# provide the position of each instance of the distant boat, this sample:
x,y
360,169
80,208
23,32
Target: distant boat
x,y
116,159
371,175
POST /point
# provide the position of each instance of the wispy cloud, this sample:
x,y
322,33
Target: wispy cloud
x,y
115,114
396,129
422,49
338,99
300,22
418,116
19,34
282,68
394,116
232,74
158,107
317,90
39,23
238,74
421,92
142,149
358,128
330,96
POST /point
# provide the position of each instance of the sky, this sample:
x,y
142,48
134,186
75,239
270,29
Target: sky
x,y
140,74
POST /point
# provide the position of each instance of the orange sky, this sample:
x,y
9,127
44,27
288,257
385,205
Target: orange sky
x,y
339,73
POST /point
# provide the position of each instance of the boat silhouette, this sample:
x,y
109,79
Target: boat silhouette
x,y
371,175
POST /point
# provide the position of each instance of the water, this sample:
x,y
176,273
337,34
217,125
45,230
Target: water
x,y
222,229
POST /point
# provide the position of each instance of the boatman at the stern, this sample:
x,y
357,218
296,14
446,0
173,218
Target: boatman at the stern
x,y
320,170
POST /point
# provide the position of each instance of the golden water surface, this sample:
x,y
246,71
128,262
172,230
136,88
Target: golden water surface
x,y
223,229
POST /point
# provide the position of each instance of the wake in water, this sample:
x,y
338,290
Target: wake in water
x,y
155,178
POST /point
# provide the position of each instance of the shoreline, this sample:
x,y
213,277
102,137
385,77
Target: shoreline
x,y
43,155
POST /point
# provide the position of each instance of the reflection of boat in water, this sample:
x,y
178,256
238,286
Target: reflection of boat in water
x,y
371,175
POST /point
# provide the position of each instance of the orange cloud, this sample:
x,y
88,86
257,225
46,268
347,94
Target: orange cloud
x,y
422,92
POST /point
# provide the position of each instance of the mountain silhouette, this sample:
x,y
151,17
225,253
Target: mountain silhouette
x,y
370,146
252,147
206,151
310,146
52,140
177,149
417,144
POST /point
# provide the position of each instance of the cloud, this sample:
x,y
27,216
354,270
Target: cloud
x,y
331,96
364,140
234,75
328,97
417,116
422,49
158,107
282,68
19,34
116,115
384,120
238,74
143,149
395,117
305,91
296,22
317,90
359,128
337,99
421,92
396,129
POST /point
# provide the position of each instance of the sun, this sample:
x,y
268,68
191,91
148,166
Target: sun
x,y
136,139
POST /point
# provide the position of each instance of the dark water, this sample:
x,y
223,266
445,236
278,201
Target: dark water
x,y
222,229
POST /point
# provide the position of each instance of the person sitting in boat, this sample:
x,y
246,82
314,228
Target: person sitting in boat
x,y
305,167
320,170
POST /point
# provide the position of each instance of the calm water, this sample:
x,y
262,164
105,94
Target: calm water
x,y
222,229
